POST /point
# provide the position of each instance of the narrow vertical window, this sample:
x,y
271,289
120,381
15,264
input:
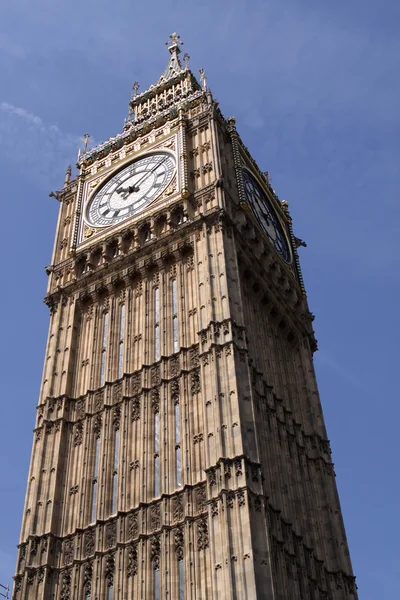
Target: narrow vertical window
x,y
104,350
121,342
95,480
180,580
115,474
156,324
157,584
157,454
110,593
175,316
178,461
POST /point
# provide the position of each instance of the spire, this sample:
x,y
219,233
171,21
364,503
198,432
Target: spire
x,y
174,66
67,176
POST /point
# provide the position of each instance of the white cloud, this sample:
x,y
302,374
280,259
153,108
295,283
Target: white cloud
x,y
40,150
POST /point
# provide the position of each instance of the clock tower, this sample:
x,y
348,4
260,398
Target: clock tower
x,y
179,450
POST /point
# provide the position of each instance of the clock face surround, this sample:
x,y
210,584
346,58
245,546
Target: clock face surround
x,y
266,216
128,191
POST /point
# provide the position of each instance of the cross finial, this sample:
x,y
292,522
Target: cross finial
x,y
174,43
203,79
186,58
135,89
85,141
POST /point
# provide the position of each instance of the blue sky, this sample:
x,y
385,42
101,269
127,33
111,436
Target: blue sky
x,y
315,90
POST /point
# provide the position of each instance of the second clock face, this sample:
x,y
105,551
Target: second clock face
x,y
131,189
266,216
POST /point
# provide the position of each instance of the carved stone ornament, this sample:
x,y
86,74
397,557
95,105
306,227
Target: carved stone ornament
x,y
117,418
174,367
135,408
194,357
212,476
30,577
214,508
237,463
68,551
65,593
155,517
133,525
155,551
132,566
40,575
109,569
175,391
241,498
155,375
97,425
18,583
155,400
87,578
202,535
89,543
98,401
117,393
201,498
178,543
80,409
195,383
34,545
78,434
178,509
111,534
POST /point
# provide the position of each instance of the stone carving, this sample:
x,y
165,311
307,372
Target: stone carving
x,y
68,551
18,583
237,463
98,401
227,470
133,525
214,508
194,357
132,566
87,578
34,545
109,569
212,476
155,375
229,500
202,535
30,578
241,498
40,575
78,434
178,543
65,593
174,367
117,418
175,391
195,383
257,504
178,509
155,400
80,409
201,498
136,384
117,393
111,534
155,517
155,551
135,408
89,542
97,425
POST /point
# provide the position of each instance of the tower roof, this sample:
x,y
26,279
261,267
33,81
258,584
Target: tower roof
x,y
176,87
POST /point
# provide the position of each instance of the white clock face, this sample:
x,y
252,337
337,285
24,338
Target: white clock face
x,y
131,189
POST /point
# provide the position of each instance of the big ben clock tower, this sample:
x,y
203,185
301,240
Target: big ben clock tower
x,y
180,451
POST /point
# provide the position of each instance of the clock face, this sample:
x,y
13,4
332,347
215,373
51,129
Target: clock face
x,y
266,216
131,189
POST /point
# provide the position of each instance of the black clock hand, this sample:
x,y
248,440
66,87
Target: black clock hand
x,y
146,175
